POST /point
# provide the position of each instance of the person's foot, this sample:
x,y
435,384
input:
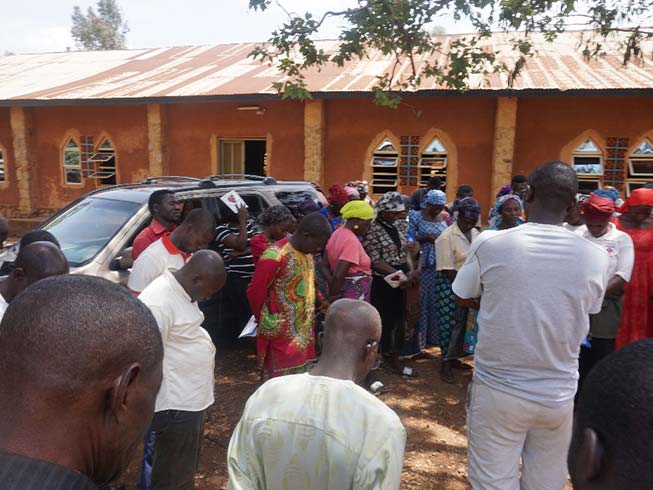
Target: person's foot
x,y
446,374
458,364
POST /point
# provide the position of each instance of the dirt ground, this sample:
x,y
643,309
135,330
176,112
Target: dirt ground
x,y
432,412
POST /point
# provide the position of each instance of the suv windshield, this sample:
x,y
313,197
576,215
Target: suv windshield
x,y
86,228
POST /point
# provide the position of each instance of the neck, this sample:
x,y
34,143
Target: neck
x,y
536,214
167,224
184,282
334,369
60,443
7,289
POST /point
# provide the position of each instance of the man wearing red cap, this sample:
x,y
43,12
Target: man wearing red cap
x,y
597,212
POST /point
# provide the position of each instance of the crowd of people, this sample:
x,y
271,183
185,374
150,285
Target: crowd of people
x,y
541,299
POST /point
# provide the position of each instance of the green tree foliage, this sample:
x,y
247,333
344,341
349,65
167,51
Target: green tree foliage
x,y
400,28
103,30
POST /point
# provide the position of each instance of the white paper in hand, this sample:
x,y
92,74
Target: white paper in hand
x,y
395,278
250,329
233,201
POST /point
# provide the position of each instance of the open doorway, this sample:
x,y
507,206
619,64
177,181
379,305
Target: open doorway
x,y
242,156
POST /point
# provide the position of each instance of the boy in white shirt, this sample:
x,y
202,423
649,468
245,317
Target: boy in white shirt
x,y
538,283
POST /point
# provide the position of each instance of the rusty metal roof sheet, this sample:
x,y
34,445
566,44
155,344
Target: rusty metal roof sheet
x,y
228,71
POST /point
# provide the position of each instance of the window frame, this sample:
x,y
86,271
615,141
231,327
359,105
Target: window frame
x,y
99,172
588,154
634,156
66,166
3,166
433,171
387,180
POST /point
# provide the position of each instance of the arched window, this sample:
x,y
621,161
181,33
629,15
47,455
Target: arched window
x,y
640,166
72,162
587,161
433,162
3,169
385,168
103,163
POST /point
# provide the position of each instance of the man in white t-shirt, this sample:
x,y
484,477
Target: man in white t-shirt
x,y
320,430
538,283
173,250
188,363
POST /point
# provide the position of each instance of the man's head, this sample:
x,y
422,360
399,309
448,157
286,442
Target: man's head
x,y
203,275
611,441
34,262
196,232
351,336
464,190
81,366
38,236
434,184
164,207
553,188
519,184
312,234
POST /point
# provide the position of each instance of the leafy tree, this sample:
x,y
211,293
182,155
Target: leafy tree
x,y
400,28
102,31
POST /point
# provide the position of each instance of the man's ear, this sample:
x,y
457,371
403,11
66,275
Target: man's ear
x,y
530,195
121,390
591,456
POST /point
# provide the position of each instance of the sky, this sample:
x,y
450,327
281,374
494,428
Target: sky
x,y
35,26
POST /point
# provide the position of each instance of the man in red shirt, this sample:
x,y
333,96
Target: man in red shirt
x,y
165,211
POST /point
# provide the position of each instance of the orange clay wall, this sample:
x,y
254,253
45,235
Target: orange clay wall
x,y
545,125
352,126
8,189
194,128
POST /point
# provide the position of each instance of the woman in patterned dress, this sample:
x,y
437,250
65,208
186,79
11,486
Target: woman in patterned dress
x,y
451,250
425,226
282,297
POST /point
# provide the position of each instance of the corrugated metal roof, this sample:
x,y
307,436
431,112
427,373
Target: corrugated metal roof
x,y
227,70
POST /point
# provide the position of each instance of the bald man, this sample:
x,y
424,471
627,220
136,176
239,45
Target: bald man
x,y
187,388
80,359
34,262
320,430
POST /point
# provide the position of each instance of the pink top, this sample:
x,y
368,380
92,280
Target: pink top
x,y
345,245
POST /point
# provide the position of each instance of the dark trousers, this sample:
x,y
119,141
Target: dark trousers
x,y
177,443
390,302
589,357
236,311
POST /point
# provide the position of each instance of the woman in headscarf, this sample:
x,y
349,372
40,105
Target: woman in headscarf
x,y
386,246
276,222
509,211
635,219
350,272
451,250
338,197
492,215
597,212
425,226
353,193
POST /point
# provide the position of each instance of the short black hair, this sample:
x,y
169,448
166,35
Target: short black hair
x,y
314,224
65,333
276,215
518,179
157,198
616,401
554,185
465,189
38,236
435,182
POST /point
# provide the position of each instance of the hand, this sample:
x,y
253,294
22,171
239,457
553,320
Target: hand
x,y
429,239
242,214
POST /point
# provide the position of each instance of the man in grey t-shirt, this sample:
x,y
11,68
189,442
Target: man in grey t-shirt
x,y
538,283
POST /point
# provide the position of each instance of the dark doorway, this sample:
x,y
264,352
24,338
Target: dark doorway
x,y
255,157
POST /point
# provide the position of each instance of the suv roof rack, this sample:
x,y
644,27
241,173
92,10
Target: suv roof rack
x,y
259,178
154,180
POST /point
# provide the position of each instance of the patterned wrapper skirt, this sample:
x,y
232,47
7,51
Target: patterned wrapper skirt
x,y
357,286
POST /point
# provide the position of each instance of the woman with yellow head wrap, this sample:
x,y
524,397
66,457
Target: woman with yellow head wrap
x,y
350,268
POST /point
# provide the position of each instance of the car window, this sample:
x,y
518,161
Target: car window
x,y
255,205
294,199
85,229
